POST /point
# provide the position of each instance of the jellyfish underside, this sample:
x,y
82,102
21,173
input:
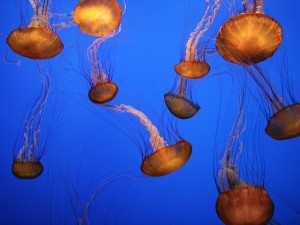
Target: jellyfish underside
x,y
167,160
35,42
249,38
192,70
96,17
27,169
103,92
180,106
245,205
285,123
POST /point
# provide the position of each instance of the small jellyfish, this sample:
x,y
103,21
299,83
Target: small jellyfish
x,y
243,199
98,17
249,37
102,88
179,103
27,154
193,66
38,40
164,158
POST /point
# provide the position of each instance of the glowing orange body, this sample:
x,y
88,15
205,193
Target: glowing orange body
x,y
97,17
180,107
103,92
285,123
249,38
167,159
35,42
27,169
192,70
245,205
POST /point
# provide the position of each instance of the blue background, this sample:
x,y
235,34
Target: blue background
x,y
87,144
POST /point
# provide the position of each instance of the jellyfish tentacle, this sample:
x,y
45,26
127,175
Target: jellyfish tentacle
x,y
34,5
181,87
188,56
33,123
228,169
62,25
272,97
210,19
98,75
157,142
259,6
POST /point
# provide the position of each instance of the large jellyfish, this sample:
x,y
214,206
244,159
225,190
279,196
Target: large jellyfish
x,y
27,154
193,66
243,199
102,88
162,159
98,17
38,40
249,37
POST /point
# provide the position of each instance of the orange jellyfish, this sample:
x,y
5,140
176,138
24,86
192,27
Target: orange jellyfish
x,y
192,66
249,37
102,88
162,158
37,40
97,17
243,199
27,155
283,116
179,101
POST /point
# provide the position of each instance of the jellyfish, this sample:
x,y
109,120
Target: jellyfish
x,y
193,66
249,37
27,154
179,102
162,158
102,88
243,199
97,17
282,113
38,40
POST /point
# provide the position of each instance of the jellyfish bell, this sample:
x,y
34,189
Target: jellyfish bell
x,y
192,70
103,92
245,205
27,169
167,160
180,106
97,17
249,37
37,40
285,123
